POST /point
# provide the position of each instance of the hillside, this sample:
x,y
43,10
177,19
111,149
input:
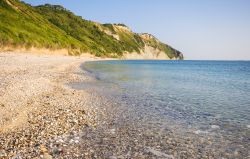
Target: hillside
x,y
54,27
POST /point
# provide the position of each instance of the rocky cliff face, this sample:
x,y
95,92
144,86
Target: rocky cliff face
x,y
163,51
54,27
149,46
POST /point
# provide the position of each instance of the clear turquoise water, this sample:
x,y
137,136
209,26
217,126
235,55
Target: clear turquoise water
x,y
207,92
210,98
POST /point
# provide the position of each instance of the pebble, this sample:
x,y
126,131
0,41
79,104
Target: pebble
x,y
2,153
43,149
35,91
112,131
159,154
47,156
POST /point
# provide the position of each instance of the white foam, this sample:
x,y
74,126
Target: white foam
x,y
215,126
200,132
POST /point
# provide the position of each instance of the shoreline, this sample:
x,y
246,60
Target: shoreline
x,y
36,106
44,115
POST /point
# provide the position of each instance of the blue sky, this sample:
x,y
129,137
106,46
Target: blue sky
x,y
201,29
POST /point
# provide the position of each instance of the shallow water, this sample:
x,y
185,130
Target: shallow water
x,y
203,104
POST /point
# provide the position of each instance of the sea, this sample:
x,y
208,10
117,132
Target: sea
x,y
203,106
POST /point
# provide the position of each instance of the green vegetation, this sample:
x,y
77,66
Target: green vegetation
x,y
23,26
54,27
93,40
120,24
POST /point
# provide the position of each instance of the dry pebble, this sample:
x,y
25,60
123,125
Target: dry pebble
x,y
36,107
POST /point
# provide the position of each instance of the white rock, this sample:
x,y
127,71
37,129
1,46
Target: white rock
x,y
76,141
112,131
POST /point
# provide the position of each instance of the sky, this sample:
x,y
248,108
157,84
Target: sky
x,y
200,29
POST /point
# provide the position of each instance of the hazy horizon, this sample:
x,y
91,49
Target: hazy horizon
x,y
205,30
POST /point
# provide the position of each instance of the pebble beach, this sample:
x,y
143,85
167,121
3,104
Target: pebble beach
x,y
50,107
36,108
